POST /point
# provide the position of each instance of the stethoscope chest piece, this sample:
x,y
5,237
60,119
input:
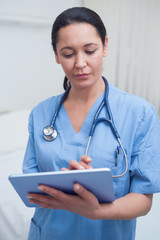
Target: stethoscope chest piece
x,y
49,133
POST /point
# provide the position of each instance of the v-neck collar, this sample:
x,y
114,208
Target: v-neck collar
x,y
66,126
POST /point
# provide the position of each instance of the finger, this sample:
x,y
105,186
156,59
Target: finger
x,y
51,200
73,165
64,169
46,203
83,193
86,159
55,193
85,165
85,162
33,201
39,198
34,195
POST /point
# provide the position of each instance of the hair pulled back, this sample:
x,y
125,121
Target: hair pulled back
x,y
77,15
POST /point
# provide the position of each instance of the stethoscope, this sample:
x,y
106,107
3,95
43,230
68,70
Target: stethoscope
x,y
50,133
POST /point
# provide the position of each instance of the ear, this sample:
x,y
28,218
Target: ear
x,y
105,50
57,59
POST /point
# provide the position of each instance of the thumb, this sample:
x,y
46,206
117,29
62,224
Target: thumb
x,y
83,193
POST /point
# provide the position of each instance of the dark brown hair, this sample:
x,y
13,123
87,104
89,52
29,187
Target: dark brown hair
x,y
77,15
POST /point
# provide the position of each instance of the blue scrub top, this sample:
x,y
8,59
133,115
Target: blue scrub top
x,y
139,129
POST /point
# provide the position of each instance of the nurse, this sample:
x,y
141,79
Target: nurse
x,y
80,43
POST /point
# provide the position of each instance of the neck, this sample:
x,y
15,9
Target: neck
x,y
85,95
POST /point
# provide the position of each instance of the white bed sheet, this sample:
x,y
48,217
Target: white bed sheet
x,y
14,215
13,131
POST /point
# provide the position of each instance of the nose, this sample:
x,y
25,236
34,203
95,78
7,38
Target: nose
x,y
80,61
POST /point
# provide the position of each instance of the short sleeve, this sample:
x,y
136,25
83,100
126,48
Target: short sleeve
x,y
145,160
29,162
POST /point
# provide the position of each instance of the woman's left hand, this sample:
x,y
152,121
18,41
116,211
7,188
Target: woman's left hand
x,y
84,203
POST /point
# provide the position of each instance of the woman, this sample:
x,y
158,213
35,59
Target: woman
x,y
80,42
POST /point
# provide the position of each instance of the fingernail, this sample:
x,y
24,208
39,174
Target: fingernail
x,y
81,167
28,196
77,187
40,188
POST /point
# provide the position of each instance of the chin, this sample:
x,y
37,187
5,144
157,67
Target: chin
x,y
83,85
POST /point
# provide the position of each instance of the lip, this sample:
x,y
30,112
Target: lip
x,y
82,75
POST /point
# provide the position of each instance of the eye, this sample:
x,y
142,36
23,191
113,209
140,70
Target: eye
x,y
68,55
90,52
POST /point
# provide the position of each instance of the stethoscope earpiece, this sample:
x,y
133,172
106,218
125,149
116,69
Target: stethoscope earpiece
x,y
49,133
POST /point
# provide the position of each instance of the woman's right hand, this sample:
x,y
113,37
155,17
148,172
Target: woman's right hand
x,y
83,164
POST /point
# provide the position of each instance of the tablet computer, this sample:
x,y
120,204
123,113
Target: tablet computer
x,y
98,181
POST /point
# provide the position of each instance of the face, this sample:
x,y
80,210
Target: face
x,y
80,52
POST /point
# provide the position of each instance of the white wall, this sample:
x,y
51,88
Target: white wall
x,y
28,73
133,62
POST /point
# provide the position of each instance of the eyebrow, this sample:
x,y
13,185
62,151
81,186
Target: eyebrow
x,y
86,45
66,48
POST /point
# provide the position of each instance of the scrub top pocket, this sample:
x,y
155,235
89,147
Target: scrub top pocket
x,y
101,159
117,166
34,233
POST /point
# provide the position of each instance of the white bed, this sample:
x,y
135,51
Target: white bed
x,y
14,216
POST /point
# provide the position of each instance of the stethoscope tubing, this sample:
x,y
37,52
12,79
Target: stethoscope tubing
x,y
59,106
53,133
124,153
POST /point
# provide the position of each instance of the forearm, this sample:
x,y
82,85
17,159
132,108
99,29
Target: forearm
x,y
128,207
